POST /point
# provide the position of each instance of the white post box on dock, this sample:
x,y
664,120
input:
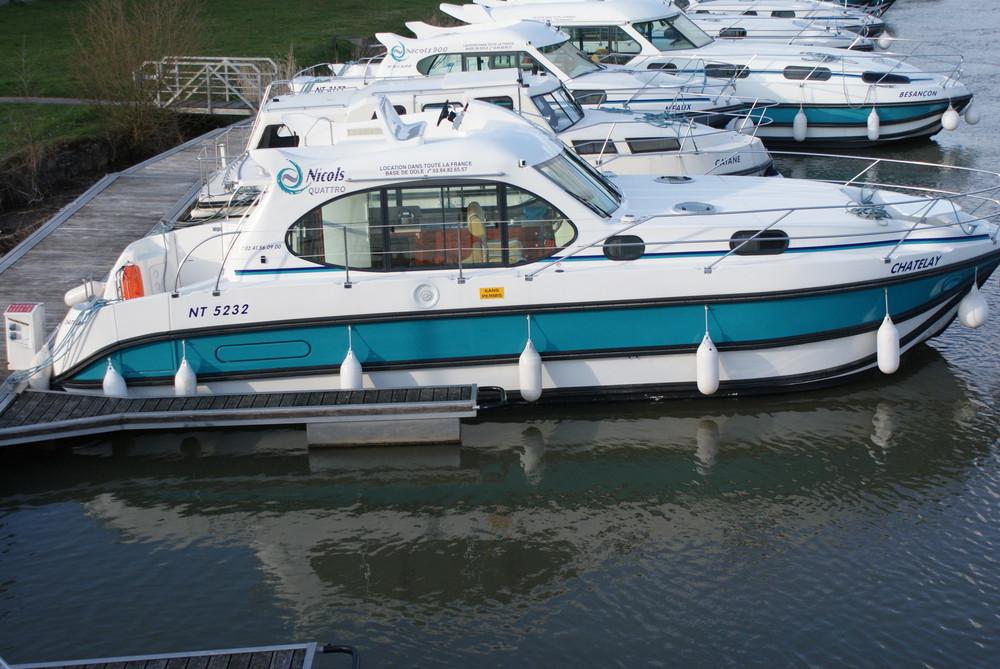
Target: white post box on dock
x,y
24,330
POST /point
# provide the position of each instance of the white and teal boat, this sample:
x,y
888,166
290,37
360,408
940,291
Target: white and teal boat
x,y
537,48
476,248
825,97
618,142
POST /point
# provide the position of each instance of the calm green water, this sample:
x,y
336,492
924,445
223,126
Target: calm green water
x,y
855,527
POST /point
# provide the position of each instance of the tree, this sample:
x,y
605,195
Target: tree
x,y
114,39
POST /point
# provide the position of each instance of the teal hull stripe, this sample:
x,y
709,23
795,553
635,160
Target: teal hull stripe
x,y
503,334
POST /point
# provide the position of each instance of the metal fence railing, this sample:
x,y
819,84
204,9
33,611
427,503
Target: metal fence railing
x,y
208,85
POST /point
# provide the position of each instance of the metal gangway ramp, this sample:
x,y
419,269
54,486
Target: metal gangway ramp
x,y
208,85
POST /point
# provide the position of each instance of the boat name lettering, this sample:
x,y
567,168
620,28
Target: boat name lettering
x,y
219,310
274,246
427,49
492,293
680,107
918,94
425,168
327,190
731,160
326,175
913,265
327,89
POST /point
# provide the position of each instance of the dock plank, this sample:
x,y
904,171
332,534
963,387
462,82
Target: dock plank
x,y
46,415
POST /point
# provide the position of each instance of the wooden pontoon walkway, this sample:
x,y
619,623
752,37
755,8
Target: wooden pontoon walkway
x,y
293,656
87,236
337,417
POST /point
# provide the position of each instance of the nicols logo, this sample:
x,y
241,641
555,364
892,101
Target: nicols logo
x,y
292,181
398,52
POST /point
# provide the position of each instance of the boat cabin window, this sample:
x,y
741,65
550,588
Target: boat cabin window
x,y
677,32
590,97
603,42
733,33
443,63
277,136
884,78
583,182
568,59
431,226
726,71
653,144
589,147
559,109
783,14
803,73
758,242
624,247
504,101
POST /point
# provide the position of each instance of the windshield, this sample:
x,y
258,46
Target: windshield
x,y
568,59
582,182
673,33
559,109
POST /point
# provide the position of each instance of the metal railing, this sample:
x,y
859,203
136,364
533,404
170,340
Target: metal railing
x,y
207,85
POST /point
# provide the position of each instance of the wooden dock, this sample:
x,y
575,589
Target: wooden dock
x,y
429,415
293,656
84,239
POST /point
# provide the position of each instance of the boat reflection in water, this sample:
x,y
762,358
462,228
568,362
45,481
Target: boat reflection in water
x,y
527,498
567,518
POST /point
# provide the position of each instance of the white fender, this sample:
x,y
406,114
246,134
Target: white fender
x,y
971,114
887,346
884,42
41,362
350,372
949,119
83,293
185,380
742,124
799,126
114,383
707,360
873,125
973,309
529,371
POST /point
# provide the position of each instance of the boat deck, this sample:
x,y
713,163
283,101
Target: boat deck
x,y
333,418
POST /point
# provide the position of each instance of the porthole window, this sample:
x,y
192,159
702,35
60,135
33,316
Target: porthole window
x,y
804,73
737,33
587,147
758,242
884,78
624,247
653,144
726,71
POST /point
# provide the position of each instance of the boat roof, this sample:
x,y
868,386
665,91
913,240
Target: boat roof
x,y
485,139
499,36
577,12
460,82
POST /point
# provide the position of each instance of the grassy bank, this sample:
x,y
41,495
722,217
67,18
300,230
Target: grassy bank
x,y
38,51
36,43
